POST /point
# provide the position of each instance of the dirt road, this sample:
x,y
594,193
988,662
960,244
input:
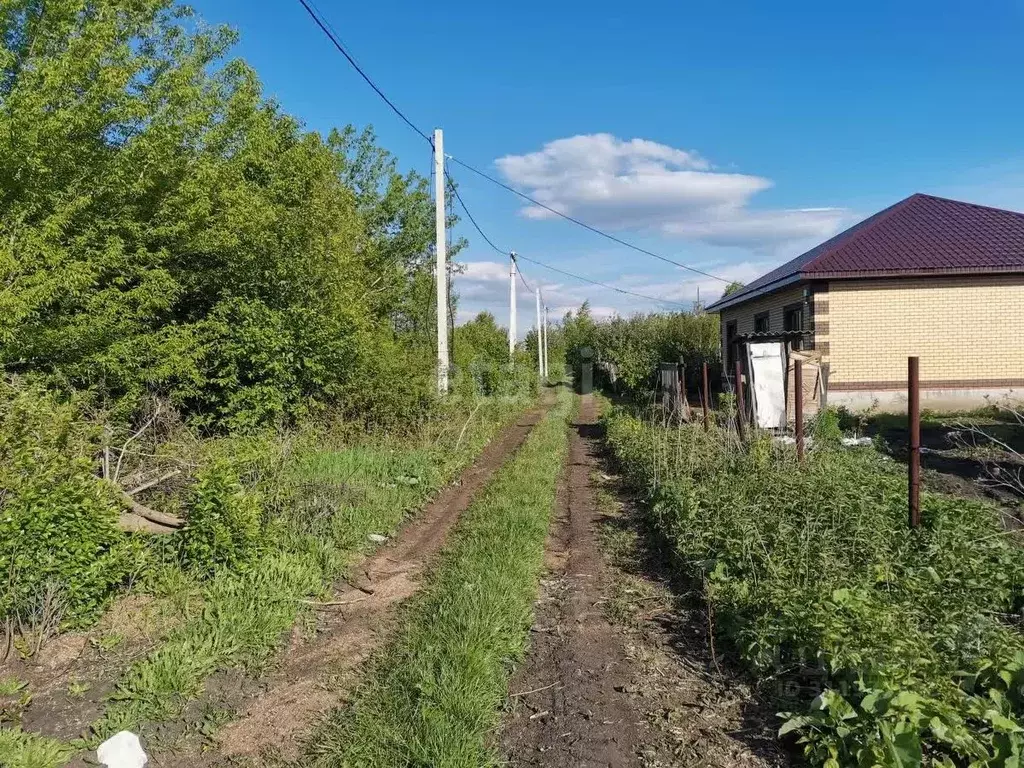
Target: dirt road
x,y
620,672
313,675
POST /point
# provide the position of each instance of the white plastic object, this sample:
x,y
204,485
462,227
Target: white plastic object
x,y
122,750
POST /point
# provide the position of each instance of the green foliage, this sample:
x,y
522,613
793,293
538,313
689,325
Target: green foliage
x,y
734,287
817,581
481,354
434,696
59,542
637,344
827,429
165,228
224,522
322,499
20,749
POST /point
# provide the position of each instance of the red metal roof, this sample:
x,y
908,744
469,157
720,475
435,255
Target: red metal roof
x,y
921,235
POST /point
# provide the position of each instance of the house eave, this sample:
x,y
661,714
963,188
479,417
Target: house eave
x,y
884,273
741,298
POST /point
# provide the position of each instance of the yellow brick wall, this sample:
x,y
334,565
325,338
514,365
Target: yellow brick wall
x,y
964,329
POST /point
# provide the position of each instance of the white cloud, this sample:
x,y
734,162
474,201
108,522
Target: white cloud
x,y
645,185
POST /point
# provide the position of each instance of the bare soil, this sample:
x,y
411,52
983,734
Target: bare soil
x,y
314,673
70,677
619,672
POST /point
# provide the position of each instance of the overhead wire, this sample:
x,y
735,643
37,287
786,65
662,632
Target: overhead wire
x,y
584,224
600,284
539,263
326,28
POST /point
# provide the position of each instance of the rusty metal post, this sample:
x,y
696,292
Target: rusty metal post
x,y
706,399
798,409
741,410
914,459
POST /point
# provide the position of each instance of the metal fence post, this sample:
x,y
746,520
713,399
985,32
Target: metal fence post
x,y
741,410
798,400
705,401
914,459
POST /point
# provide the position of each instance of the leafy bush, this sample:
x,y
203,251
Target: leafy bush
x,y
909,636
58,521
637,344
224,522
827,429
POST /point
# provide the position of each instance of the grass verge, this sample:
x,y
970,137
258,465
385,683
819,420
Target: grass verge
x,y
434,695
326,502
343,496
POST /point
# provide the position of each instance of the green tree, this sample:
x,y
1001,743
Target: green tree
x,y
732,288
166,228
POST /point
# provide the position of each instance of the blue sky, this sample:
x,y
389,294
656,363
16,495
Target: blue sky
x,y
729,136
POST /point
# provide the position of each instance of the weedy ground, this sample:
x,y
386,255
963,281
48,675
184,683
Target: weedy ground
x,y
326,502
911,638
433,696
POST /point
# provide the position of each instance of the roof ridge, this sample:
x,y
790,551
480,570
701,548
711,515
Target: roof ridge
x,y
965,202
878,218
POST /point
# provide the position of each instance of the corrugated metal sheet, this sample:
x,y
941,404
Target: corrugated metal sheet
x,y
918,236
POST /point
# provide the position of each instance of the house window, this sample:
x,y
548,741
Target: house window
x,y
761,322
730,343
793,319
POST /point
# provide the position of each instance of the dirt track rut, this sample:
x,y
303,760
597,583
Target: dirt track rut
x,y
620,671
570,708
313,675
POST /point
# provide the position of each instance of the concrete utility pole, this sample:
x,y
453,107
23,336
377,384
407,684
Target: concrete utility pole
x,y
511,306
442,264
540,346
545,341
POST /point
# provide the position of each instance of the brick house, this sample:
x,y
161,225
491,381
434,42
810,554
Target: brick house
x,y
928,276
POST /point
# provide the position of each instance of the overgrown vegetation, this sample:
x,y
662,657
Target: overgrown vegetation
x,y
60,550
908,642
180,261
317,506
432,697
631,348
165,228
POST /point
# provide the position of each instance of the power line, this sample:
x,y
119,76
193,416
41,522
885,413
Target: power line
x,y
518,256
483,234
597,283
324,27
583,224
327,30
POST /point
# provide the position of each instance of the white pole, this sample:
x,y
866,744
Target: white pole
x,y
545,341
512,306
442,265
540,346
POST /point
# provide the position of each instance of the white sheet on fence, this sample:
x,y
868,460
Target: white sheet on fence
x,y
768,385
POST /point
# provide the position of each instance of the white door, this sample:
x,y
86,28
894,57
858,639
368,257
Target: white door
x,y
768,385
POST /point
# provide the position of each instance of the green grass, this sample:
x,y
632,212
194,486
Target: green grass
x,y
433,696
20,749
327,502
242,617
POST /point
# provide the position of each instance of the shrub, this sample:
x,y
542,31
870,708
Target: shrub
x,y
58,521
827,428
815,578
224,521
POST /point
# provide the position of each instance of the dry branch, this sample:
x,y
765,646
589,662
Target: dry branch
x,y
155,481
